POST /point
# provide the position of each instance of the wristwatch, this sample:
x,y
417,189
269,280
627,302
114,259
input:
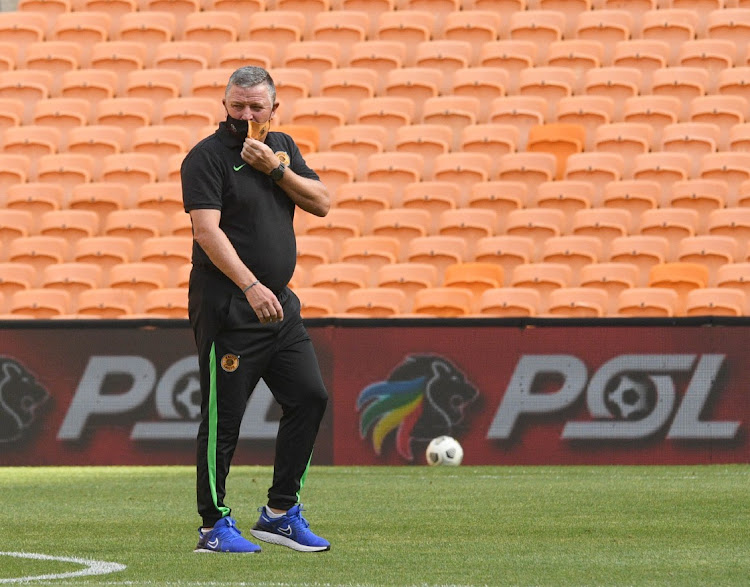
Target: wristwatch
x,y
278,173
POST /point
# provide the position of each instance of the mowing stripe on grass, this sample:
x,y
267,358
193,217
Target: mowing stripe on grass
x,y
92,567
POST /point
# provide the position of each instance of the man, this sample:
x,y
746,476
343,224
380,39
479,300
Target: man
x,y
240,186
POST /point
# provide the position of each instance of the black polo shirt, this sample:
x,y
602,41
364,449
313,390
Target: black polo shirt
x,y
256,214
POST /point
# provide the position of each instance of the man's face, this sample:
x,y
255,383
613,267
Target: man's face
x,y
250,103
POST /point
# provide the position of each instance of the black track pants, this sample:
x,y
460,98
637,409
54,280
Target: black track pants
x,y
282,354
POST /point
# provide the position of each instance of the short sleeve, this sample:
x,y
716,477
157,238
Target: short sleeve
x,y
202,179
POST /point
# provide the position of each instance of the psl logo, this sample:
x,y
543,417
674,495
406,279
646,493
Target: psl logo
x,y
21,399
629,397
424,397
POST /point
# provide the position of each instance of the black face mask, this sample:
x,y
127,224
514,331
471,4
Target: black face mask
x,y
259,130
237,126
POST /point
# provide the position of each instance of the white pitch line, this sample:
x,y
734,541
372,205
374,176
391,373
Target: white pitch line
x,y
91,567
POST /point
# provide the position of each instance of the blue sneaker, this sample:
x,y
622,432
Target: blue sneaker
x,y
290,530
225,537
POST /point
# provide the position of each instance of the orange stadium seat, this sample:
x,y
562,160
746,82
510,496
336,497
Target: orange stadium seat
x,y
317,302
607,26
31,142
49,9
445,302
367,197
560,139
463,169
375,302
403,224
626,138
373,8
408,278
633,195
11,113
119,57
543,277
646,55
308,8
522,112
476,27
471,224
734,222
85,28
725,111
681,278
599,168
572,250
656,111
338,225
427,140
215,27
125,113
34,197
495,140
89,84
504,8
164,196
313,250
100,198
14,169
38,251
590,112
237,54
674,224
437,250
325,113
509,55
509,302
71,225
642,251
731,167
65,169
21,29
61,113
618,83
409,27
372,251
734,276
475,276
169,251
575,302
610,277
712,251
14,224
341,278
360,140
540,27
730,24
104,251
14,277
333,168
343,27
415,83
40,303
139,278
314,56
55,57
168,302
397,168
694,138
97,141
672,25
505,251
530,168
701,195
549,83
716,301
156,85
684,83
710,55
131,169
605,224
445,55
433,196
186,57
27,86
179,8
578,55
134,224
537,224
106,302
380,56
73,278
192,113
278,27
647,302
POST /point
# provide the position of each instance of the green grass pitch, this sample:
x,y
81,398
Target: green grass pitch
x,y
419,526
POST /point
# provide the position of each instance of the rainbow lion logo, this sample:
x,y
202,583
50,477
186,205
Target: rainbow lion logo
x,y
424,397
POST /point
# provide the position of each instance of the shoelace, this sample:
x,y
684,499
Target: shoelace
x,y
301,518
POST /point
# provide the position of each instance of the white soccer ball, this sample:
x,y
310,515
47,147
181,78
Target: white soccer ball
x,y
444,450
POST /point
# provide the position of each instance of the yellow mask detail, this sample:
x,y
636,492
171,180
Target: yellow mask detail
x,y
258,130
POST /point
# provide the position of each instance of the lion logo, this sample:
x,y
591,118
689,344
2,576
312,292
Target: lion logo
x,y
21,400
424,397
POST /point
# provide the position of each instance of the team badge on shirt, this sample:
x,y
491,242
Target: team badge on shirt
x,y
283,157
230,363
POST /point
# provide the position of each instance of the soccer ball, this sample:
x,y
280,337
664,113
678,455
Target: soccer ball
x,y
444,450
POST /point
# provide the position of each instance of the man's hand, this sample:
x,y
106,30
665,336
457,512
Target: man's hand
x,y
264,303
259,155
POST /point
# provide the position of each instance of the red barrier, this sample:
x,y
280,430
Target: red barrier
x,y
577,394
